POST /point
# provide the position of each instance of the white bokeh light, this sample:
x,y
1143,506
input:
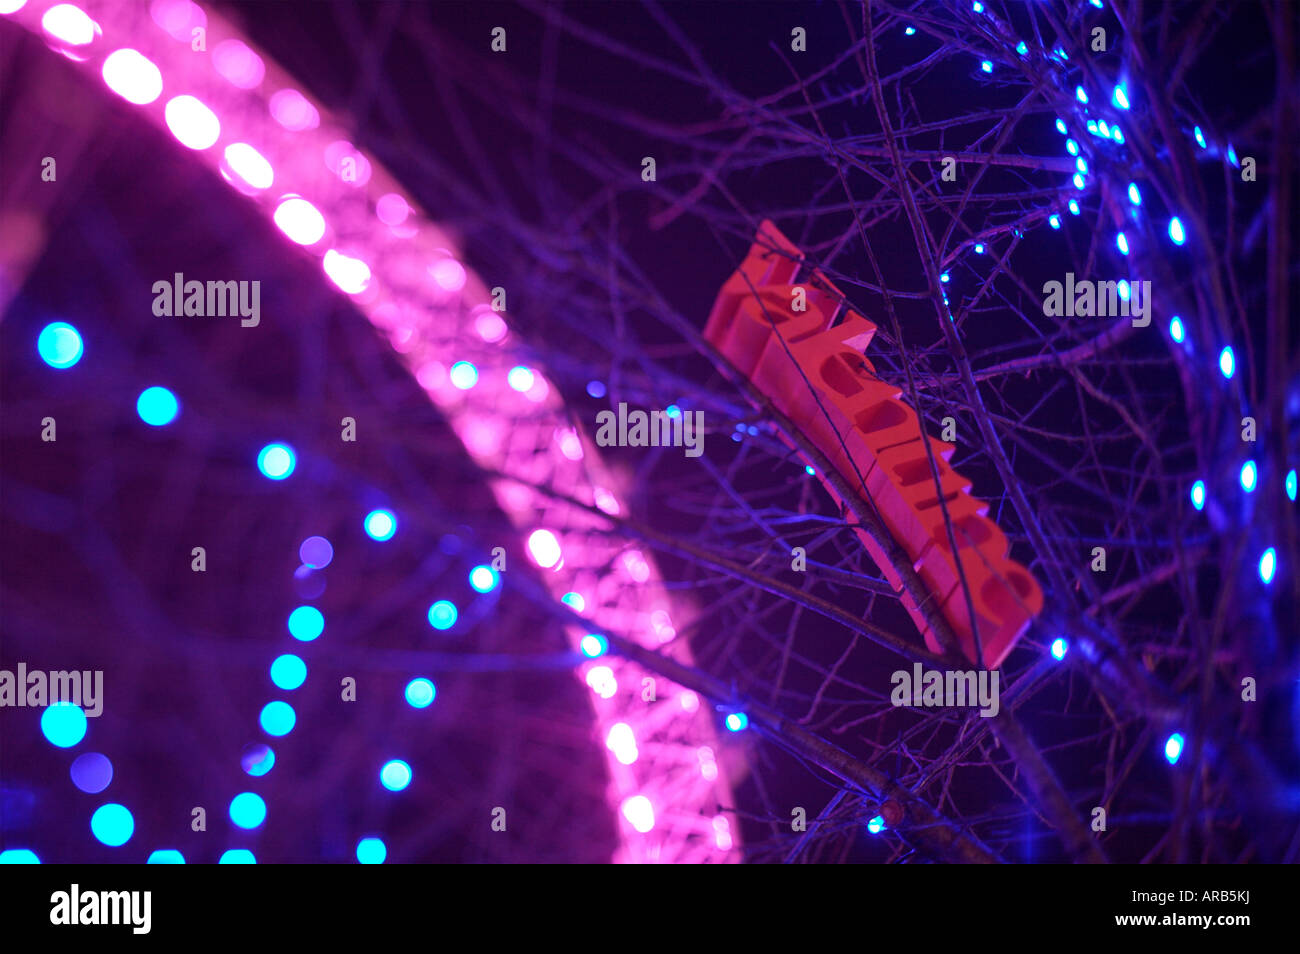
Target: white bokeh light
x,y
69,23
300,220
132,76
192,123
250,165
639,813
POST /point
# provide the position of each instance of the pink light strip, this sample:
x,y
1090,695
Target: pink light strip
x,y
247,119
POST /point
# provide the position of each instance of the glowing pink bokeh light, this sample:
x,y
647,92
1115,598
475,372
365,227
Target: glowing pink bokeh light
x,y
350,274
250,165
292,111
133,76
300,220
69,23
392,209
544,548
490,327
622,742
449,274
192,123
602,681
178,18
639,813
238,64
570,443
343,159
431,308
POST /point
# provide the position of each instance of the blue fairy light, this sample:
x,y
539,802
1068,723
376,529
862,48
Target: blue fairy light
x,y
1134,195
157,406
395,775
1071,147
1060,126
277,718
371,851
1249,476
442,614
1174,748
876,825
306,623
1074,207
1120,97
1080,95
1060,647
276,461
112,824
248,810
483,579
1198,495
1176,329
1176,233
1200,137
1121,242
380,525
1054,221
420,693
59,345
1227,362
288,672
1268,565
1290,484
63,723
